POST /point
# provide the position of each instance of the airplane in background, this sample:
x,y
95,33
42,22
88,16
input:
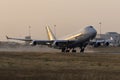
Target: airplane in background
x,y
97,42
79,39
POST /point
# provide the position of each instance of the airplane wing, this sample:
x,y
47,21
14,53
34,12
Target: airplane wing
x,y
52,43
63,43
42,42
60,43
19,39
34,42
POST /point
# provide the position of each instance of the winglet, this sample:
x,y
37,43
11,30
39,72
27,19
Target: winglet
x,y
50,34
7,37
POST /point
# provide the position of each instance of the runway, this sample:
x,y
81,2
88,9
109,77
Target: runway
x,y
115,50
28,49
37,65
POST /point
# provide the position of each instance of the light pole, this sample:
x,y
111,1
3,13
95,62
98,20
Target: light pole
x,y
29,31
55,30
100,28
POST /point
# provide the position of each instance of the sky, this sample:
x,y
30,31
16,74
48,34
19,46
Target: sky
x,y
68,15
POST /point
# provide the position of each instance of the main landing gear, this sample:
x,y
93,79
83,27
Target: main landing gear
x,y
67,50
82,50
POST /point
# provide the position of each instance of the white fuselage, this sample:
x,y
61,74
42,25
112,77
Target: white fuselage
x,y
85,33
78,39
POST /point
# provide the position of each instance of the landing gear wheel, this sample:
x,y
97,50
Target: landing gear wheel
x,y
82,50
63,50
74,51
67,50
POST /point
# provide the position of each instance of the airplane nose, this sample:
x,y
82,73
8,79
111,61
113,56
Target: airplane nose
x,y
94,32
92,29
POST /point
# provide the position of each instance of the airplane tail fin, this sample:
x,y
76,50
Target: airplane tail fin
x,y
50,34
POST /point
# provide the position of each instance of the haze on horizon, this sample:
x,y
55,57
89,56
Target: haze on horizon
x,y
68,16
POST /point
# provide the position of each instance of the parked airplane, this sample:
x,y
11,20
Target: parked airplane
x,y
79,39
97,42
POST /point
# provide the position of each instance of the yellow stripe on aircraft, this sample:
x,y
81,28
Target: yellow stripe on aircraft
x,y
72,37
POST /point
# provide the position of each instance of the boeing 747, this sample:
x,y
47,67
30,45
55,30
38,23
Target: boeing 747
x,y
70,43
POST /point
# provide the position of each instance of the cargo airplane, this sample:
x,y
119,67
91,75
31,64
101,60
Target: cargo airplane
x,y
79,39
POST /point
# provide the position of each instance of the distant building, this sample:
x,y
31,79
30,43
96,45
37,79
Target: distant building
x,y
114,36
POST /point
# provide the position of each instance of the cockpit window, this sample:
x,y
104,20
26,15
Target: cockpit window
x,y
91,27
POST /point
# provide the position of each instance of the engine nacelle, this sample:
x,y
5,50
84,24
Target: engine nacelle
x,y
60,44
97,44
33,43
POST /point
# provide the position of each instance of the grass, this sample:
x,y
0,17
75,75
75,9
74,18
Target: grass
x,y
59,66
